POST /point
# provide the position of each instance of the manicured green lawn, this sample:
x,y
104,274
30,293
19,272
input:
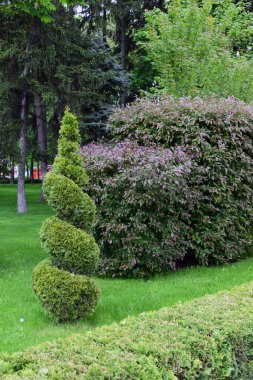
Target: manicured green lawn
x,y
20,251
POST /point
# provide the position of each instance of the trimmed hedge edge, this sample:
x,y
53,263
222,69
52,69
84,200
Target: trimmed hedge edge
x,y
207,338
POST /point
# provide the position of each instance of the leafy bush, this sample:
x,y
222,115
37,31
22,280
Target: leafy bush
x,y
71,248
66,296
192,49
219,135
144,201
60,283
208,338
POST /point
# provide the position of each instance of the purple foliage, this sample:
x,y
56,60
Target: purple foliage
x,y
219,133
144,202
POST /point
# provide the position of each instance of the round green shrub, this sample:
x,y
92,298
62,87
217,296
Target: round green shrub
x,y
71,248
66,296
69,201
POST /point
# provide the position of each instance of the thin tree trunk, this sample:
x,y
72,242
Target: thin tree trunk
x,y
123,51
31,171
42,136
22,208
12,173
27,169
38,170
104,22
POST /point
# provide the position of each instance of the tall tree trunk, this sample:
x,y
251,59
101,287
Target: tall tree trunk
x,y
22,208
42,135
104,22
12,173
38,170
123,49
31,171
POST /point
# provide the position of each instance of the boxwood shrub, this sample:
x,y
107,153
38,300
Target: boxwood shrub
x,y
143,201
210,338
219,134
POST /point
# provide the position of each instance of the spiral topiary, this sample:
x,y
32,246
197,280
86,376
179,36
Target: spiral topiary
x,y
61,283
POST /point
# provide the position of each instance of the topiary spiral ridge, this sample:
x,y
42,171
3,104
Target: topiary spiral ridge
x,y
61,282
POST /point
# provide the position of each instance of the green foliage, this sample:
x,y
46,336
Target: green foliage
x,y
191,49
144,200
69,162
72,249
38,8
68,201
67,297
218,133
208,338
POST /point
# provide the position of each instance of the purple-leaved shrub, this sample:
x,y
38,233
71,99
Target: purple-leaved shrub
x,y
144,204
219,135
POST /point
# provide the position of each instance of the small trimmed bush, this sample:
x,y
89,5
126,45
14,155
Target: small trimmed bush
x,y
61,284
144,202
210,338
66,296
219,135
71,248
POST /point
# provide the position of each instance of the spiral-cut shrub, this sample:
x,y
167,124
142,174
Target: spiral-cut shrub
x,y
61,283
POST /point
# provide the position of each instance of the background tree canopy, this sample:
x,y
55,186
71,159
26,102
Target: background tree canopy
x,y
94,55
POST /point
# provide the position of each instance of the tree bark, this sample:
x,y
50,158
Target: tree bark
x,y
12,173
42,136
123,49
104,22
22,208
31,171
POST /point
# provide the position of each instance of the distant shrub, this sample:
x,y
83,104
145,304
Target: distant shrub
x,y
207,338
219,135
143,205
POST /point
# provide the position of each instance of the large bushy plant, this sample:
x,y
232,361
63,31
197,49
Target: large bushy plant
x,y
219,134
61,283
144,201
197,48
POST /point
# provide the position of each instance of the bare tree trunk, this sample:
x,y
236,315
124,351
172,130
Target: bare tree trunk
x,y
21,168
31,171
123,49
12,173
104,22
42,135
38,170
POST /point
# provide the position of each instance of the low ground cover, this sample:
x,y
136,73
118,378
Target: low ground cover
x,y
20,251
208,338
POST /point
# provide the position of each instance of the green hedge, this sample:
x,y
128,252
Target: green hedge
x,y
208,338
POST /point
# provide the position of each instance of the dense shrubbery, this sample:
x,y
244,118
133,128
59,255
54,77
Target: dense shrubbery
x,y
144,201
208,214
61,284
208,338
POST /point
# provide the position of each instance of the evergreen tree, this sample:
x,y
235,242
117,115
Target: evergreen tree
x,y
61,283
